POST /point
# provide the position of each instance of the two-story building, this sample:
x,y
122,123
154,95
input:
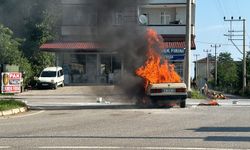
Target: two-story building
x,y
204,70
82,51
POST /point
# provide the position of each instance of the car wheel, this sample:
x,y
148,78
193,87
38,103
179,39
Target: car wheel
x,y
183,104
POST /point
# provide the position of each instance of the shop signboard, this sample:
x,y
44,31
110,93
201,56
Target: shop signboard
x,y
11,82
174,54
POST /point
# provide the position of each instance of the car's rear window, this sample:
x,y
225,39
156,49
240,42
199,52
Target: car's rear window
x,y
48,74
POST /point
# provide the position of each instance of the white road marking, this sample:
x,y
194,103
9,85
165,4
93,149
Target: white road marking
x,y
4,147
32,114
123,147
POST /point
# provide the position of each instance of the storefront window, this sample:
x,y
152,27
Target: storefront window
x,y
110,68
78,68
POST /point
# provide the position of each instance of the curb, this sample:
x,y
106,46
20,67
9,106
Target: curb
x,y
80,106
13,111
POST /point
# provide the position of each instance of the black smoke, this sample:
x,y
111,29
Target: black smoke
x,y
128,38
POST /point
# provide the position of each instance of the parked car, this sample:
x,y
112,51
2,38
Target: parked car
x,y
51,77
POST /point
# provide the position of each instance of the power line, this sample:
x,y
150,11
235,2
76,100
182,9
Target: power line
x,y
222,8
243,35
222,44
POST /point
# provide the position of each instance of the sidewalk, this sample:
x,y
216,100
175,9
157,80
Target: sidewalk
x,y
76,97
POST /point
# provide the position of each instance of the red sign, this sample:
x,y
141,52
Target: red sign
x,y
11,89
15,75
11,82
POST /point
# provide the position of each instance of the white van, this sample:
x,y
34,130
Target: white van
x,y
51,77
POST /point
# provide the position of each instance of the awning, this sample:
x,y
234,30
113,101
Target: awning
x,y
70,46
180,44
94,47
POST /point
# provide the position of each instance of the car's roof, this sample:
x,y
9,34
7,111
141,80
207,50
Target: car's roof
x,y
52,68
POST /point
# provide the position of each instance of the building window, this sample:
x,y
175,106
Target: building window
x,y
117,18
165,18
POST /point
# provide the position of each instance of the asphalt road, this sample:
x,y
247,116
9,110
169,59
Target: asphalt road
x,y
196,128
69,126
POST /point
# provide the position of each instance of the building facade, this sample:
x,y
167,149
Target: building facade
x,y
204,70
86,61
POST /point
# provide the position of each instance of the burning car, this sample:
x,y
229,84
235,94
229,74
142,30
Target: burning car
x,y
164,93
162,83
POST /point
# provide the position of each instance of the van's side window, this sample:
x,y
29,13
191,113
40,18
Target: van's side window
x,y
58,73
61,72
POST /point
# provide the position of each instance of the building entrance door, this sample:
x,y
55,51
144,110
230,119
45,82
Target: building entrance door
x,y
91,68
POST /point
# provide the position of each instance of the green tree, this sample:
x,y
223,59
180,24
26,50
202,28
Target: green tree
x,y
35,21
227,72
248,73
10,52
41,27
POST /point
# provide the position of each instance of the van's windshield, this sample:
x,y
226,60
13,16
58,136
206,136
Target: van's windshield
x,y
48,74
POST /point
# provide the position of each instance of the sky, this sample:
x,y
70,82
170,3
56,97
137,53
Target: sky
x,y
210,26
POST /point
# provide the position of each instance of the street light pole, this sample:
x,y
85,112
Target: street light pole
x,y
196,65
215,46
188,45
244,57
207,68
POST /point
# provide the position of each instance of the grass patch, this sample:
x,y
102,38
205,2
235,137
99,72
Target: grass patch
x,y
10,104
7,94
195,94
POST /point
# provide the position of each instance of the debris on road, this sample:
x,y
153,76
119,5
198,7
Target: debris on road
x,y
212,102
100,100
215,95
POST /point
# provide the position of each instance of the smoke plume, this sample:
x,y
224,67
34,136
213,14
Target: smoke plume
x,y
128,38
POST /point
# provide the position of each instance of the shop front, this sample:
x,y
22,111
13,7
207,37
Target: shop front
x,y
86,65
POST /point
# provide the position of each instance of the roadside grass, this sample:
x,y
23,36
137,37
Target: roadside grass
x,y
195,94
6,94
8,104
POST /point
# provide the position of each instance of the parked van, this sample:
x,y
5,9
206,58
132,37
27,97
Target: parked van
x,y
51,77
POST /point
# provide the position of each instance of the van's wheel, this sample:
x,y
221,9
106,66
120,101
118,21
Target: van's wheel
x,y
55,86
62,85
183,104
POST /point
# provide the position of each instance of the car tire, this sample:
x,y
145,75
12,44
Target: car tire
x,y
183,104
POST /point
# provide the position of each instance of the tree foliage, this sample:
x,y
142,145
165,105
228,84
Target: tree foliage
x,y
40,28
37,34
10,52
33,21
227,72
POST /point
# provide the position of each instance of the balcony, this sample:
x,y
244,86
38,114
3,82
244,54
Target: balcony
x,y
171,29
168,1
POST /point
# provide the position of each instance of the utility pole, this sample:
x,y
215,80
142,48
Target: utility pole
x,y
207,68
215,46
243,35
188,45
196,65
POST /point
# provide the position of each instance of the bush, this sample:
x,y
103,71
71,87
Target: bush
x,y
195,94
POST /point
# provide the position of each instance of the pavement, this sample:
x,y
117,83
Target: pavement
x,y
97,97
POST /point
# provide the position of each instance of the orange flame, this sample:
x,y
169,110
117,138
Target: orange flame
x,y
156,69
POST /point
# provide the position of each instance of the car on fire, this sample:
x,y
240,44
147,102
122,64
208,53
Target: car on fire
x,y
166,93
